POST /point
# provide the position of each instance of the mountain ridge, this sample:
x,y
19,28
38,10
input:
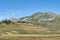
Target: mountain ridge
x,y
41,16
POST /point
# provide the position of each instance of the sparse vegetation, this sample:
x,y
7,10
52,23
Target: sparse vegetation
x,y
36,24
32,24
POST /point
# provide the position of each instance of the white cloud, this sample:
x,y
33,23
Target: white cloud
x,y
2,17
13,14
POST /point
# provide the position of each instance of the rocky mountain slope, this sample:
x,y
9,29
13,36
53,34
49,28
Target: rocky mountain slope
x,y
46,19
40,17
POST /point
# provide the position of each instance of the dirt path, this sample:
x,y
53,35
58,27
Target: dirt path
x,y
29,37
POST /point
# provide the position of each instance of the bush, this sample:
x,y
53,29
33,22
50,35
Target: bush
x,y
23,22
6,21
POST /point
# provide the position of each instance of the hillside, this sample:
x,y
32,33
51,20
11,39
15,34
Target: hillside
x,y
47,20
38,23
40,17
21,28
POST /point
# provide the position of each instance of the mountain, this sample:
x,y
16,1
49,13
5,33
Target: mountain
x,y
40,17
49,20
38,23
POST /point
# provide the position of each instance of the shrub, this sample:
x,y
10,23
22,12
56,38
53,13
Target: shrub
x,y
6,21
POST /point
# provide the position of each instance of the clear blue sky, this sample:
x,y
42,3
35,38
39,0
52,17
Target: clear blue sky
x,y
20,8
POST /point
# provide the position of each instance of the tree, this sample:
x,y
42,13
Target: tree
x,y
6,21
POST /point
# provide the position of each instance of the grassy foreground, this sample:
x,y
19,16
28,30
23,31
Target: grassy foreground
x,y
30,37
25,28
25,31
